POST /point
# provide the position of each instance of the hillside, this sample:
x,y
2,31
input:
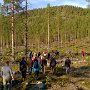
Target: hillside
x,y
68,26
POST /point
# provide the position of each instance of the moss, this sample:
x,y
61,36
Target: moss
x,y
86,84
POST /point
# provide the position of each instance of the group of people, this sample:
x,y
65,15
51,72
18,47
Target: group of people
x,y
35,63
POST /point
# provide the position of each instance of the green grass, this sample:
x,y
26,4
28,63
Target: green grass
x,y
86,84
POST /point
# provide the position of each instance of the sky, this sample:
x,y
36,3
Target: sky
x,y
43,3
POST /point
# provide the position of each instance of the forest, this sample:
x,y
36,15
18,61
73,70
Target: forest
x,y
48,28
56,33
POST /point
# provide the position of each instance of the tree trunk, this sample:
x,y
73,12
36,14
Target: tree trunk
x,y
38,45
65,39
26,31
13,49
58,38
48,6
1,42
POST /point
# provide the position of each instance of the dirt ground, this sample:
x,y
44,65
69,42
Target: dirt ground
x,y
78,79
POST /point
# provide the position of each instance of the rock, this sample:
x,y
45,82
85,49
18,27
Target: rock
x,y
40,84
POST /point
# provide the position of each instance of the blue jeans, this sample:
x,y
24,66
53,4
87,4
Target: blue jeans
x,y
36,73
30,70
67,70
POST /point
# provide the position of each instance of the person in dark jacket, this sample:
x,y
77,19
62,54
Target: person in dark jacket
x,y
23,68
53,64
67,65
30,55
39,54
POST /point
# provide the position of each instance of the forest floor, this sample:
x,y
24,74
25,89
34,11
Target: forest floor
x,y
78,79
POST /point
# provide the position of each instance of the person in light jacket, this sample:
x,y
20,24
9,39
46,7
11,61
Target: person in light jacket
x,y
6,73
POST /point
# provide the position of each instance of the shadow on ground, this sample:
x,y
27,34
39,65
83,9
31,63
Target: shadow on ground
x,y
15,83
83,71
34,85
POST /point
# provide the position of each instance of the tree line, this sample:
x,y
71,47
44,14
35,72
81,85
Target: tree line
x,y
66,24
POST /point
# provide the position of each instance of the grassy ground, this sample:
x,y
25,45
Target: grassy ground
x,y
78,79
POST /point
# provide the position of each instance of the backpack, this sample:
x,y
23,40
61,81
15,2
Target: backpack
x,y
53,62
35,64
67,63
23,65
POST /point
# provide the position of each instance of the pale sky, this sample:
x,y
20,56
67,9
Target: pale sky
x,y
43,3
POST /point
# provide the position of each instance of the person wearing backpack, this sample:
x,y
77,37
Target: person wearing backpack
x,y
36,67
52,64
30,64
67,65
23,68
43,64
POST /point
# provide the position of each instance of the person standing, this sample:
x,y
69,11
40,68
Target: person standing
x,y
23,68
36,67
43,64
67,65
30,64
53,64
83,53
39,54
30,55
7,75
